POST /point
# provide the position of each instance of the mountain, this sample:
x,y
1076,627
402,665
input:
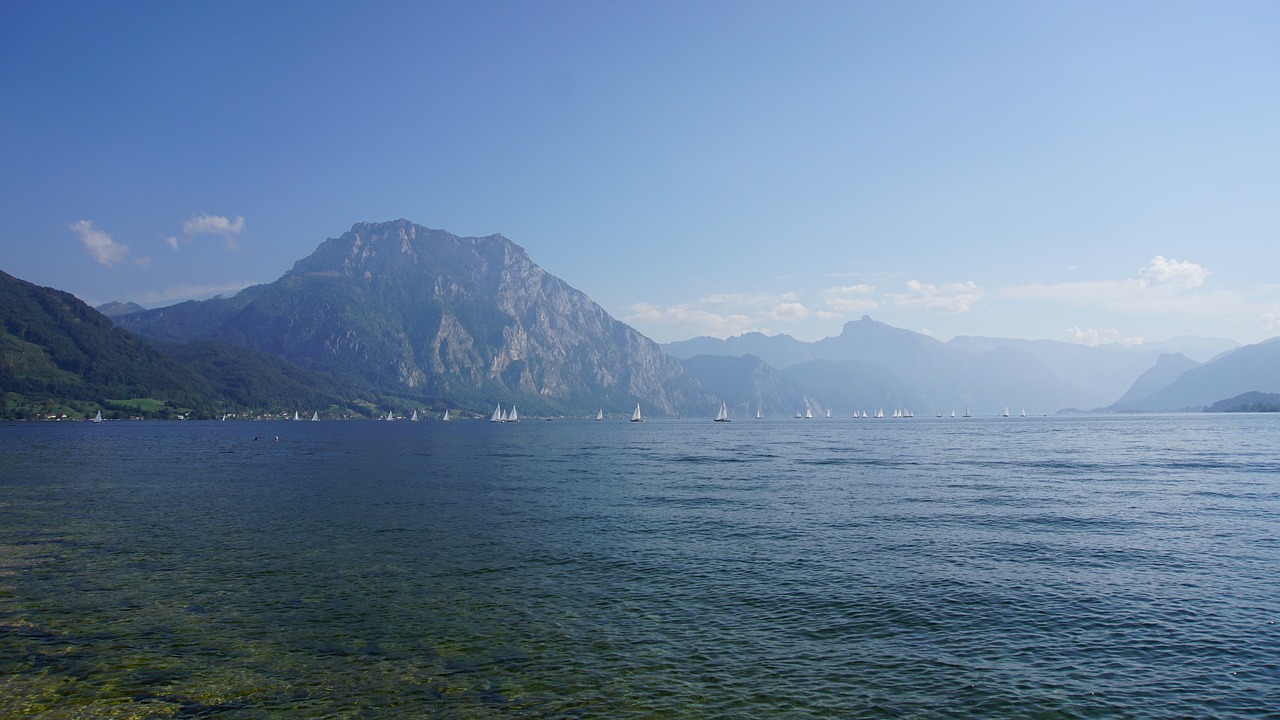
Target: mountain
x,y
845,386
746,384
59,354
780,351
1168,368
1248,368
425,313
246,379
909,370
1098,373
983,373
1248,402
116,309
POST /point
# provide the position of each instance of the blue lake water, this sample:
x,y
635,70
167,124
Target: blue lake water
x,y
1079,567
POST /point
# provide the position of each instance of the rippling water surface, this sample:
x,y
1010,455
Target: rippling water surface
x,y
928,568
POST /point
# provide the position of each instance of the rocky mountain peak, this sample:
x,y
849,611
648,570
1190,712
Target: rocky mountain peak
x,y
409,308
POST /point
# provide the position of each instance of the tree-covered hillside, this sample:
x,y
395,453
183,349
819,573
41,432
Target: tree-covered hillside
x,y
61,358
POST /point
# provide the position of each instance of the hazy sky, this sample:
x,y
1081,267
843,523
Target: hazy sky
x,y
1074,171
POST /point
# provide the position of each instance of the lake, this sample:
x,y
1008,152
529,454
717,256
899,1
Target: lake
x,y
1060,567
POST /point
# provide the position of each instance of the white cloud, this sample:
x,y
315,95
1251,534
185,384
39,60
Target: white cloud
x,y
1176,272
224,227
1094,336
851,299
692,319
1162,287
212,224
99,244
788,311
951,298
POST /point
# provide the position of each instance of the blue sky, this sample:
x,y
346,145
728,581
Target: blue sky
x,y
1077,171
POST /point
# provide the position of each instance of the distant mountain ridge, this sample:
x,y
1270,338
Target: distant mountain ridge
x,y
912,370
116,309
406,308
878,365
395,314
1251,368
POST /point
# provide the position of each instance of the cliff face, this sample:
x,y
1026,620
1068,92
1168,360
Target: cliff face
x,y
399,306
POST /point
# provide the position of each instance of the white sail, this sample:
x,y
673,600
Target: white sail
x,y
446,415
953,413
295,416
315,416
1024,412
759,413
723,415
1006,411
98,418
415,414
828,413
391,415
600,414
497,414
808,413
513,416
798,415
635,416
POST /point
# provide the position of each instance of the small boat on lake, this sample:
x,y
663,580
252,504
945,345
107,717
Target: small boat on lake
x,y
723,415
635,416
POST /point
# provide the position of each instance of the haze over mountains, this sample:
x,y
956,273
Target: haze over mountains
x,y
870,364
395,314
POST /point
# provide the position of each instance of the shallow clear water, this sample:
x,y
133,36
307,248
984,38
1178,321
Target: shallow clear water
x,y
1040,567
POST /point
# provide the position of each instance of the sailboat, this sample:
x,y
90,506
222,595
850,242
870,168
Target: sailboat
x,y
295,416
828,413
798,415
759,414
97,418
415,415
497,414
880,414
966,411
446,415
1024,412
600,414
723,415
1006,411
635,416
315,416
390,415
953,413
808,414
513,416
